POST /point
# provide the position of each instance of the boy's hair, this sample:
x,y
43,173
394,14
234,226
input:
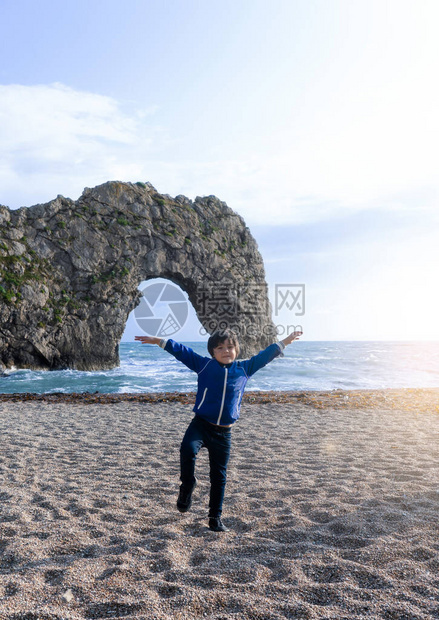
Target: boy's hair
x,y
219,337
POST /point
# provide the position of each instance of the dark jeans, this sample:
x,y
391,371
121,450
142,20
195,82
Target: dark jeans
x,y
218,443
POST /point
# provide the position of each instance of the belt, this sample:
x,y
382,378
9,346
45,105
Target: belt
x,y
218,427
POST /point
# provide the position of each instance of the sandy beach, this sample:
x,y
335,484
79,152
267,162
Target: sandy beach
x,y
332,501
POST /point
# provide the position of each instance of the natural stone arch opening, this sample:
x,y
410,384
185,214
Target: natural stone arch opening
x,y
69,272
137,323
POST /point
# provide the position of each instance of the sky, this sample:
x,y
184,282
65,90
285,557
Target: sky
x,y
316,120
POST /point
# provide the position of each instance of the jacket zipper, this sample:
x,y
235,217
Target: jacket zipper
x,y
238,399
224,396
202,400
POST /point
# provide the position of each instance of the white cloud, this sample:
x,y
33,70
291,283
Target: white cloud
x,y
54,139
347,152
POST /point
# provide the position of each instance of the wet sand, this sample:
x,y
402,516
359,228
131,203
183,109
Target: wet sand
x,y
332,500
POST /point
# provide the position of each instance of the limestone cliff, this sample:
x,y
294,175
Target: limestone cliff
x,y
70,271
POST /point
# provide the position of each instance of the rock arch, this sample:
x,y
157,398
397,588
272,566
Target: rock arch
x,y
69,272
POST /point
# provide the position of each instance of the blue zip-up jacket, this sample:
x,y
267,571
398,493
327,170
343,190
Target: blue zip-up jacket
x,y
220,387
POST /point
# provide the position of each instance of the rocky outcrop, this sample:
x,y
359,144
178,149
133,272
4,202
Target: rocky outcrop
x,y
70,271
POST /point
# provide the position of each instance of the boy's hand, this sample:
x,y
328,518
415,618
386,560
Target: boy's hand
x,y
289,339
147,339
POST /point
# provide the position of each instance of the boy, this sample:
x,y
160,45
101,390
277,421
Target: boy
x,y
221,384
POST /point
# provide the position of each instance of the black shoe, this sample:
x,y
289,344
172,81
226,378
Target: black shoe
x,y
216,525
184,501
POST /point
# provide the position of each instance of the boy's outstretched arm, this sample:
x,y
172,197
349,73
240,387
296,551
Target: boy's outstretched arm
x,y
258,361
289,339
148,340
183,354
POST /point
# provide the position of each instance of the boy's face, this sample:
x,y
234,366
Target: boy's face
x,y
225,352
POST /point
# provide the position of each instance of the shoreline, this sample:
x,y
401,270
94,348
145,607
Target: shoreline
x,y
425,398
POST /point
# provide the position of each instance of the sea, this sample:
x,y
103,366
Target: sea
x,y
305,366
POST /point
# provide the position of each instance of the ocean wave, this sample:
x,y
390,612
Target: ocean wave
x,y
305,366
